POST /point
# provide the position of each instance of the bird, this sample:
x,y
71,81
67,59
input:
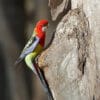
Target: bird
x,y
32,49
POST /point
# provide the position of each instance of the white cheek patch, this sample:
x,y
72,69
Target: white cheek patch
x,y
44,29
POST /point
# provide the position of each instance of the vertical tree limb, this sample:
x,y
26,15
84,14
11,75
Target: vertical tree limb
x,y
71,62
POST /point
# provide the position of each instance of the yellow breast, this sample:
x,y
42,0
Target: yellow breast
x,y
32,56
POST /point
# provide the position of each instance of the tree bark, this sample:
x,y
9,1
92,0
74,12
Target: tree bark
x,y
71,63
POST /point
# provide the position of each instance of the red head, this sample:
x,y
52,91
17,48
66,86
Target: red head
x,y
40,30
41,26
42,23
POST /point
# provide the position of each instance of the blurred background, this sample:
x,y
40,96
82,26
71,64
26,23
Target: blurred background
x,y
17,19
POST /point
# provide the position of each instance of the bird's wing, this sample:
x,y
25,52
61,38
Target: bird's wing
x,y
30,46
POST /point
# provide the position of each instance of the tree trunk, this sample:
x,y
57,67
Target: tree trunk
x,y
71,63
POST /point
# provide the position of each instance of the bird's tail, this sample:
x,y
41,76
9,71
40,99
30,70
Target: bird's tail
x,y
44,83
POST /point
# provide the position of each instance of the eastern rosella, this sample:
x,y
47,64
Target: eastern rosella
x,y
32,49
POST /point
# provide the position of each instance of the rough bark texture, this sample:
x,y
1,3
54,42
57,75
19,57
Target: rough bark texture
x,y
71,63
57,7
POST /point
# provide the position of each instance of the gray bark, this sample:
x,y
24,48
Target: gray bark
x,y
71,63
